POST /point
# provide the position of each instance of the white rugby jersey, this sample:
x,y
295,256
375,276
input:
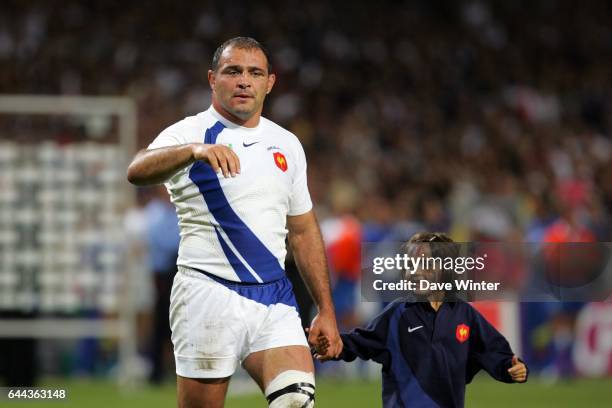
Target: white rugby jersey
x,y
235,227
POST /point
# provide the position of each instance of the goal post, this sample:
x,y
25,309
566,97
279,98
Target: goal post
x,y
62,248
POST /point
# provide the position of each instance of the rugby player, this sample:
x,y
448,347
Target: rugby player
x,y
238,182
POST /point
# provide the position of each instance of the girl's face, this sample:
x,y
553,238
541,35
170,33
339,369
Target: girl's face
x,y
426,271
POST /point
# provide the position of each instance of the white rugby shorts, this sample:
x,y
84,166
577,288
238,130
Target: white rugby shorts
x,y
216,323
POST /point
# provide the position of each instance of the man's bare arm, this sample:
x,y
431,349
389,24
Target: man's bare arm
x,y
309,253
158,165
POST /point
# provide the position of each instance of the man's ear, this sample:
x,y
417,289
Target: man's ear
x,y
271,81
211,78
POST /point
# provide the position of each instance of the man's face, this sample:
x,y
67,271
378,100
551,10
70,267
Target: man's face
x,y
241,82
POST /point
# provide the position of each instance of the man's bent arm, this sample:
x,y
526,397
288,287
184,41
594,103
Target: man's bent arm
x,y
307,246
158,165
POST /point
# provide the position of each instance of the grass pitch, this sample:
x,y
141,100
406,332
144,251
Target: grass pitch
x,y
333,394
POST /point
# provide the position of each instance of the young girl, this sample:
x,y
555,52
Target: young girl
x,y
430,347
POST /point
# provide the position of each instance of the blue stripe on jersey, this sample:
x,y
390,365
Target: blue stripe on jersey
x,y
210,137
252,250
243,273
408,386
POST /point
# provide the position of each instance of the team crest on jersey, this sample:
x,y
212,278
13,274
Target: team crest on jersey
x,y
462,333
280,161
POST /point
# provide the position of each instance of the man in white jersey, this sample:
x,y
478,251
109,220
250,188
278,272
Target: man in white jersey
x,y
239,185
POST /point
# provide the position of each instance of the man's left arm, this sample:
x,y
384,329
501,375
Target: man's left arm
x,y
308,250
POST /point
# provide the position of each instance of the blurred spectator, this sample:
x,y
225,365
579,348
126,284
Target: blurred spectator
x,y
342,235
135,226
163,240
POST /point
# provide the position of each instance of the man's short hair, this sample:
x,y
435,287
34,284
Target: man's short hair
x,y
244,43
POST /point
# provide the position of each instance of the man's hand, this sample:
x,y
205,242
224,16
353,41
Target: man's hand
x,y
219,157
518,371
323,335
320,347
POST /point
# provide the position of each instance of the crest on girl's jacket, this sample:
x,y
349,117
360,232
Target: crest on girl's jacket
x,y
462,333
280,161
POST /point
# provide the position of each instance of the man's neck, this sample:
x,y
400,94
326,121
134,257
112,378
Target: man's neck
x,y
251,122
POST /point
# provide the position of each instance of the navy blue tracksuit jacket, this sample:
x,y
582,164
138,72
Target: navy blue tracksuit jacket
x,y
428,357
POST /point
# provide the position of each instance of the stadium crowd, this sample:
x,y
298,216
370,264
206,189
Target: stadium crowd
x,y
491,120
460,115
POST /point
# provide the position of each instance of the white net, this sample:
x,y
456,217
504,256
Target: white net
x,y
61,234
64,254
